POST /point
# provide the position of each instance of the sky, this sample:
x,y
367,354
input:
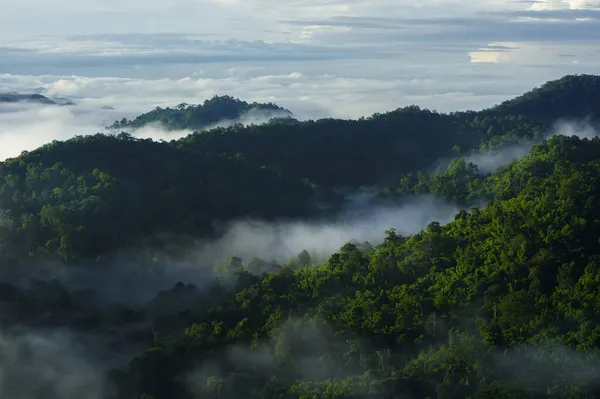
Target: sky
x,y
318,58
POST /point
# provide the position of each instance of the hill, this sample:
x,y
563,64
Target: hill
x,y
281,169
217,110
501,302
575,96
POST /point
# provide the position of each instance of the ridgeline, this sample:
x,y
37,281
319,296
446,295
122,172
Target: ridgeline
x,y
499,303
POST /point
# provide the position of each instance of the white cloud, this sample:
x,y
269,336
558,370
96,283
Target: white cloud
x,y
531,54
564,4
26,127
362,221
336,58
308,94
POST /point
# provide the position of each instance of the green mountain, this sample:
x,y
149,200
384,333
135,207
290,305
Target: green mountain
x,y
217,110
281,169
573,96
499,303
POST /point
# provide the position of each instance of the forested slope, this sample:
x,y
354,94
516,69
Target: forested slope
x,y
499,303
219,109
58,198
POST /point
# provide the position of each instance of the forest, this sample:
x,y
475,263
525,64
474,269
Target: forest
x,y
214,111
106,294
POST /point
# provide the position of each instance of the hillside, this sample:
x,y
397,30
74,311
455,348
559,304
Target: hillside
x,y
278,170
217,110
500,302
573,96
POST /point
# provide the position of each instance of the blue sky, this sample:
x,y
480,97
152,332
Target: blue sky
x,y
319,58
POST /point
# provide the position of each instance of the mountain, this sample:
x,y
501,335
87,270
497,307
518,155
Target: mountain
x,y
220,110
15,98
111,238
230,173
573,96
499,303
33,98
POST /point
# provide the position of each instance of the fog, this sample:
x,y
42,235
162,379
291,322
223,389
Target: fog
x,y
278,242
48,364
490,161
57,363
361,221
294,352
25,126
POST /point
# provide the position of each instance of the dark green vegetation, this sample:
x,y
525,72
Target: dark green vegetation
x,y
219,109
499,303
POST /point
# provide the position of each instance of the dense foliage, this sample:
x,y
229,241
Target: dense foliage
x,y
499,303
219,109
58,198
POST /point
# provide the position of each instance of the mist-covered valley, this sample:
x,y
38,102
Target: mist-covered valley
x,y
229,249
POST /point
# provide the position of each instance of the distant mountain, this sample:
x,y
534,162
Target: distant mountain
x,y
33,98
16,98
281,169
62,101
222,110
498,300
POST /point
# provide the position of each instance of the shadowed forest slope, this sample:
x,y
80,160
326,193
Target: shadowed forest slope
x,y
58,198
501,302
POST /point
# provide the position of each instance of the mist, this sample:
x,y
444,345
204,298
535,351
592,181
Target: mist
x,y
490,161
277,242
64,364
25,126
47,364
361,222
300,349
531,368
252,117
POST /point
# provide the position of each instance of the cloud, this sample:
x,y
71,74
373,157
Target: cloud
x,y
352,62
525,54
308,95
310,91
564,4
26,126
49,364
490,161
333,58
362,221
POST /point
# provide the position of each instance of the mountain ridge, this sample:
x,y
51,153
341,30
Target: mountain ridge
x,y
214,111
313,159
119,241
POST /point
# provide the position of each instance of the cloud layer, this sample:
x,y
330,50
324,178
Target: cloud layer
x,y
318,58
